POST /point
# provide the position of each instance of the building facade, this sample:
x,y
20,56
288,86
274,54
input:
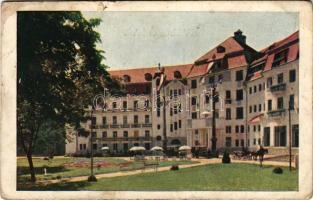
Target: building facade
x,y
254,95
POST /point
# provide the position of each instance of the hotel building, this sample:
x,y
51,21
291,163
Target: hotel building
x,y
173,105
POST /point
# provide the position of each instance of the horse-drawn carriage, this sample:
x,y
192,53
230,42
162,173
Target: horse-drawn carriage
x,y
250,155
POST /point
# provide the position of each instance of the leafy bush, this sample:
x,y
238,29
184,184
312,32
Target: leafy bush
x,y
278,170
174,167
226,158
92,178
59,177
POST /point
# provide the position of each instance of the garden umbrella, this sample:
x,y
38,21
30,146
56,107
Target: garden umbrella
x,y
105,148
157,148
137,149
184,148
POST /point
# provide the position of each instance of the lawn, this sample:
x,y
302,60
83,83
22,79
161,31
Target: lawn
x,y
74,166
214,177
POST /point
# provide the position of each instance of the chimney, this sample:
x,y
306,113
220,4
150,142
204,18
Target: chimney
x,y
239,37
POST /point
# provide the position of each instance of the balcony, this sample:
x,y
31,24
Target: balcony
x,y
136,125
114,126
104,126
115,139
276,113
146,125
278,87
199,123
125,126
227,101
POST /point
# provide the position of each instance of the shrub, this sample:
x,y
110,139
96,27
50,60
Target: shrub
x,y
174,167
92,178
59,177
226,158
278,170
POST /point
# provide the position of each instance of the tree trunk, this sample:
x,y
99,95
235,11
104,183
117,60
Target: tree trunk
x,y
31,168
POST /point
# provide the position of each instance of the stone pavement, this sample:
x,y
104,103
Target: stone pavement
x,y
160,169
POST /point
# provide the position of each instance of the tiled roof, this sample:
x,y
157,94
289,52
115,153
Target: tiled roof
x,y
198,70
230,45
267,54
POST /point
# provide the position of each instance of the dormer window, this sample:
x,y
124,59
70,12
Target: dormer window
x,y
148,77
177,74
220,49
280,58
126,78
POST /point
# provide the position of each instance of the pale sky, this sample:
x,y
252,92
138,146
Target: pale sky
x,y
143,39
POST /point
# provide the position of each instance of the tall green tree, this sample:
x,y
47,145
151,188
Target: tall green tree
x,y
58,70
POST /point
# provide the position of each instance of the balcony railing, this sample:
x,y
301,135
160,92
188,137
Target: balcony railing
x,y
227,101
114,126
114,139
278,87
276,113
147,125
136,125
125,125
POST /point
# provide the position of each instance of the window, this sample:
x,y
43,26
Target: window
x,y
228,129
280,136
211,79
147,103
269,105
228,142
237,143
239,113
220,78
292,75
239,75
115,147
159,126
259,128
259,141
267,136
94,146
228,96
177,75
269,82
250,90
147,134
171,111
104,120
171,128
104,134
254,128
179,123
254,89
175,109
194,115
194,84
114,105
260,107
114,119
124,119
179,92
125,147
291,102
194,100
254,108
93,120
295,135
124,104
250,109
280,78
248,129
175,126
80,146
254,141
242,143
280,103
114,134
280,58
136,134
239,95
260,87
135,105
242,129
135,119
237,129
147,119
125,134
228,113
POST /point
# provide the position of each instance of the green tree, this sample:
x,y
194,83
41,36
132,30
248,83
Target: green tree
x,y
58,72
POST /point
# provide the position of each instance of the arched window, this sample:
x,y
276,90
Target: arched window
x,y
158,138
220,49
175,142
177,74
126,78
148,77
